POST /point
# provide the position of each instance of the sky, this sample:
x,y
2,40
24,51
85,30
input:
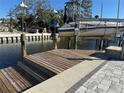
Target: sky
x,y
109,7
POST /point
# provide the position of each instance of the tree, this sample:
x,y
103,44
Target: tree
x,y
34,5
87,8
43,16
11,14
61,16
73,10
38,12
78,9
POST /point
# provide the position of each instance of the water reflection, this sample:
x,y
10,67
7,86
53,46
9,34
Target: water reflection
x,y
10,54
34,47
82,44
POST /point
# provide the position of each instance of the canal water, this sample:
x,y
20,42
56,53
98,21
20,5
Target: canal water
x,y
10,54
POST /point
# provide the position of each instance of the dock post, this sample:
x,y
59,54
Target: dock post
x,y
97,43
54,30
76,35
23,45
42,36
69,41
101,44
54,37
55,40
75,41
122,54
55,43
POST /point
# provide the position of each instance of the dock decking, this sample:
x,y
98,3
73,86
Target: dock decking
x,y
39,67
56,61
11,81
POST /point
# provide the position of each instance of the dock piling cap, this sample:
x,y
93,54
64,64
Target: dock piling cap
x,y
77,32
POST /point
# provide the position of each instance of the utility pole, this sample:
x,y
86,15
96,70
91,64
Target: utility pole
x,y
65,14
101,10
118,14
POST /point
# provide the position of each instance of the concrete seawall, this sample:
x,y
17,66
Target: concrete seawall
x,y
15,38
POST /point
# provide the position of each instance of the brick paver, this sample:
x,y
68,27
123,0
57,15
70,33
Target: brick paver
x,y
109,79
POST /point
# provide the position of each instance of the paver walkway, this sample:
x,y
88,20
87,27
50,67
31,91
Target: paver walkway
x,y
109,79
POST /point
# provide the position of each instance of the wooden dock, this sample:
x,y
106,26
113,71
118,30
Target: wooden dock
x,y
39,67
56,61
12,81
18,79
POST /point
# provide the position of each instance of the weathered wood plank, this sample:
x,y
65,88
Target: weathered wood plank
x,y
15,85
43,63
14,77
38,68
26,76
8,84
65,54
32,73
4,89
27,83
78,55
49,61
1,90
16,80
57,60
22,82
